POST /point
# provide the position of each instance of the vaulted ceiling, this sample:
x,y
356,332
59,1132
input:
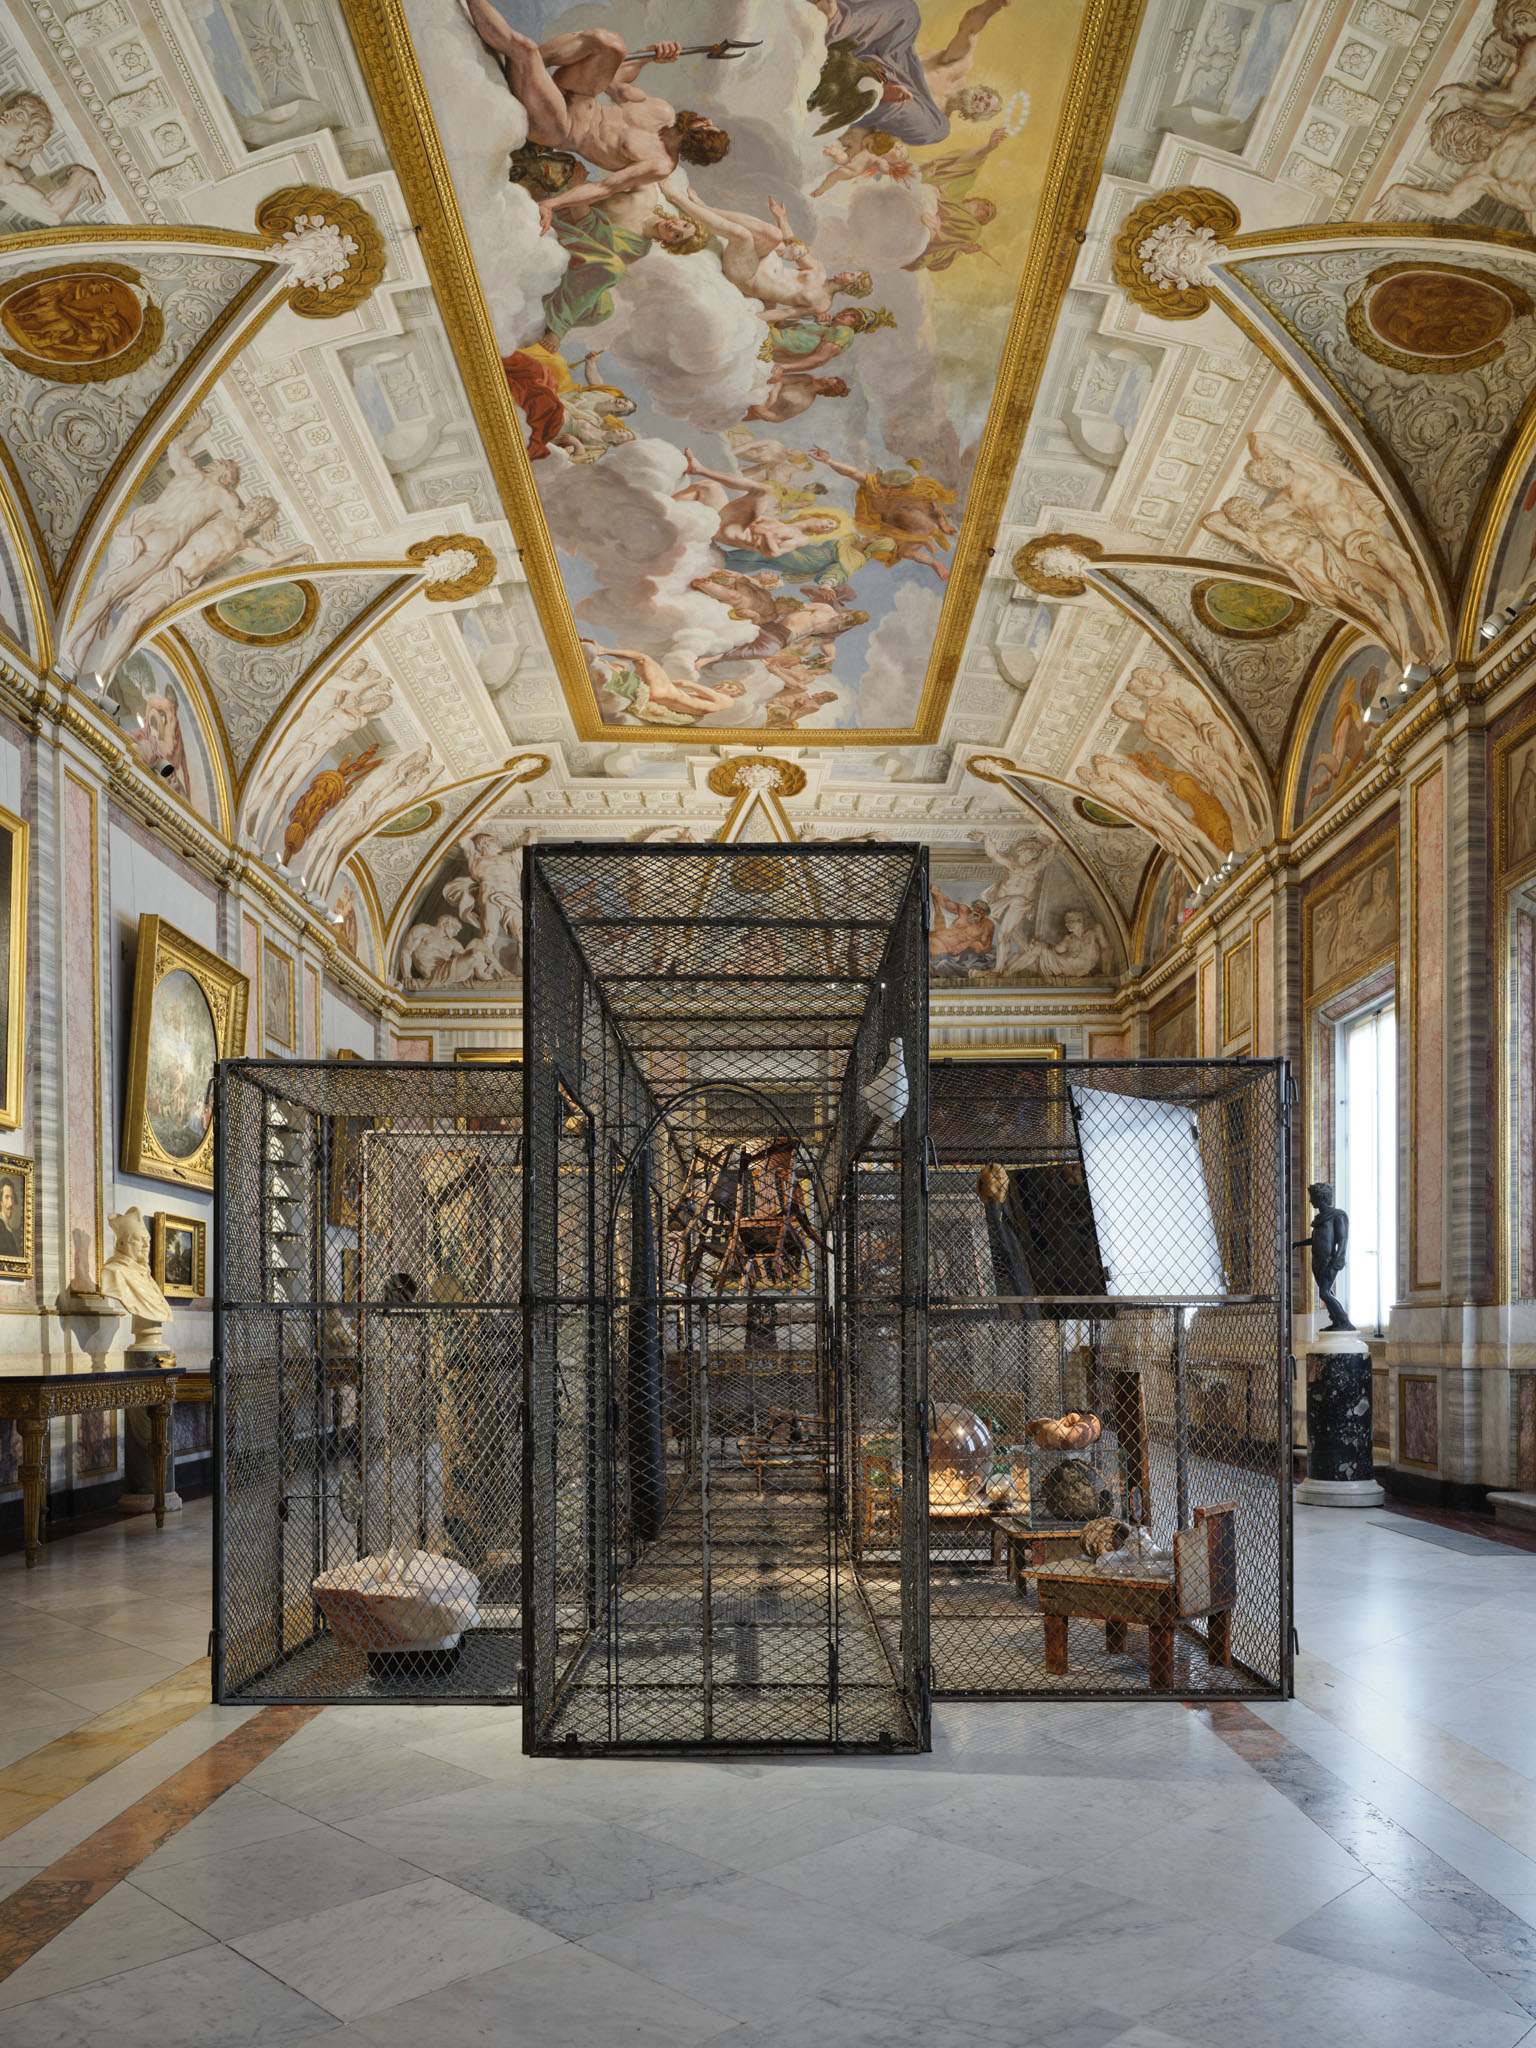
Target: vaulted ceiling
x,y
1055,437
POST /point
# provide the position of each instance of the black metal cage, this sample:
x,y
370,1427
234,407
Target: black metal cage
x,y
725,1255
368,1353
1109,1316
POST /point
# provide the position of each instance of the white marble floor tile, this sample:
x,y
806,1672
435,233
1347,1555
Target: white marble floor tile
x,y
746,1946
462,1831
373,1953
752,1837
591,1877
1369,1928
210,1998
563,1997
339,1789
1280,1998
1134,1953
240,1891
930,1999
237,1819
120,1932
901,1879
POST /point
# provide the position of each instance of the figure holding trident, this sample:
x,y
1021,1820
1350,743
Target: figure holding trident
x,y
579,93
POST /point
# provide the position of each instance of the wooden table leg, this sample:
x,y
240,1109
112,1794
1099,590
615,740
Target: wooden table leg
x,y
1115,1637
1056,1643
159,1417
1218,1636
1160,1657
33,1431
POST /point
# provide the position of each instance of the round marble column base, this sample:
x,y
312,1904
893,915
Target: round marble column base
x,y
144,1503
1339,1493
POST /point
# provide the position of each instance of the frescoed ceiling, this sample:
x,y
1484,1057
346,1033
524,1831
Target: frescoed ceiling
x,y
1036,428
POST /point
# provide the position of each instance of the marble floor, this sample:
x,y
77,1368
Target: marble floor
x,y
1357,1866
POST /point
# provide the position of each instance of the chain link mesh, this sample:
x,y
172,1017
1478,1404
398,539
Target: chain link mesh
x,y
727,1053
368,1274
1109,1316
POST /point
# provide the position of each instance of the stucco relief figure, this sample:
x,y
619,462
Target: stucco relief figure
x,y
1487,131
197,525
1522,808
1329,534
580,93
126,1277
1354,924
395,786
428,950
159,744
490,896
360,692
1082,953
1178,718
1127,788
1012,898
26,125
344,917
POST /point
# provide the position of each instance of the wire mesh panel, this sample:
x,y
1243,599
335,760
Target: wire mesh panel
x,y
1109,1316
368,1340
726,1057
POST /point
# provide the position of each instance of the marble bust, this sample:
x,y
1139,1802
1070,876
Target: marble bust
x,y
126,1277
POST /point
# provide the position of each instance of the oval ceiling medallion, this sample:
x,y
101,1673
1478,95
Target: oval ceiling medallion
x,y
410,822
1434,317
1098,814
1245,611
74,324
267,616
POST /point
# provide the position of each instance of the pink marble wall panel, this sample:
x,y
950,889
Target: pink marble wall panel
x,y
82,1072
1209,1043
412,1048
1109,1045
250,966
311,1013
1524,1071
1425,1263
1264,986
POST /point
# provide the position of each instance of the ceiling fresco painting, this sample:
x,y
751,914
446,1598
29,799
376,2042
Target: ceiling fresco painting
x,y
753,297
1050,428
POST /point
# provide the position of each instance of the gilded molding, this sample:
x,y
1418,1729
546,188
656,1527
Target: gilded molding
x,y
289,217
1185,218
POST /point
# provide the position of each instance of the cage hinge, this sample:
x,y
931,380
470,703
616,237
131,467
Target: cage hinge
x,y
832,1670
1295,1643
215,1644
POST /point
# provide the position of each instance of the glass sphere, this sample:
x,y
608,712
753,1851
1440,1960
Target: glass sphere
x,y
959,1457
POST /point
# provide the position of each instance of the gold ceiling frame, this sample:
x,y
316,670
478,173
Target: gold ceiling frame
x,y
207,595
1106,41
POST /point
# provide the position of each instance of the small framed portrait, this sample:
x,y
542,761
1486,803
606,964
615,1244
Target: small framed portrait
x,y
15,1217
14,840
178,1254
188,1014
276,996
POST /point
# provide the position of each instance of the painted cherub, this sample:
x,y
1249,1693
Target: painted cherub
x,y
869,154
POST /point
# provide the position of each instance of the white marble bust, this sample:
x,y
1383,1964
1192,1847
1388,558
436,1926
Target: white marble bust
x,y
127,1278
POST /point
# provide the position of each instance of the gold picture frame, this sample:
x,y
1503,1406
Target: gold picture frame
x,y
188,1013
996,1052
17,1239
486,1056
277,1018
178,1255
15,845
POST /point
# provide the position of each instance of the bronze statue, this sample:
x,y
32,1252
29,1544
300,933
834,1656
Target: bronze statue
x,y
1329,1242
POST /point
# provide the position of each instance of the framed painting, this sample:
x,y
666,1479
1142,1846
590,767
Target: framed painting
x,y
15,838
276,996
1514,784
178,1255
996,1052
15,1217
188,1014
1350,925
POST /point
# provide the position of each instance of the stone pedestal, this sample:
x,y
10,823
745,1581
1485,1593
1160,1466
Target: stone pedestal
x,y
1340,1459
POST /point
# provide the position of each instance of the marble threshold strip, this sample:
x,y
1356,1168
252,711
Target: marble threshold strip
x,y
1490,1937
53,1900
58,1770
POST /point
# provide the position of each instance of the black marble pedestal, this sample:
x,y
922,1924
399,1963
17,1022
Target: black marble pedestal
x,y
1339,1453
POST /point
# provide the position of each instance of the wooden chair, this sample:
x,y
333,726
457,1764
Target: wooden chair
x,y
1202,1581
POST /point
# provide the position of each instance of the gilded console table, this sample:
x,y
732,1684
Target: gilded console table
x,y
32,1399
